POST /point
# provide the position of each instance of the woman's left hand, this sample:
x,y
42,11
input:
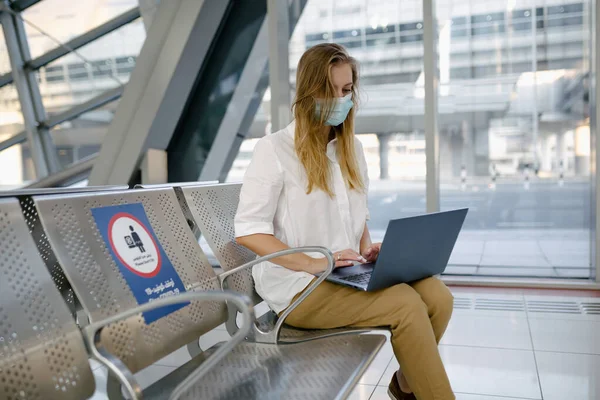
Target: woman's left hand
x,y
372,252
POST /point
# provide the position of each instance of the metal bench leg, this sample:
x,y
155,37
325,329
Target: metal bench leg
x,y
231,323
194,348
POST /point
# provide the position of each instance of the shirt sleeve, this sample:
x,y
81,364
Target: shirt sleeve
x,y
362,163
260,192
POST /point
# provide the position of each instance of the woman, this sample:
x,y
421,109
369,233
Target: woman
x,y
307,186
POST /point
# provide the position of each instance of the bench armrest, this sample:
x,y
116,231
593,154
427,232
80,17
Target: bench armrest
x,y
273,336
93,331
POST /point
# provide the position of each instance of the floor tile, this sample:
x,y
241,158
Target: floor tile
x,y
569,336
176,358
380,393
569,376
492,372
153,373
378,366
362,392
485,331
467,396
389,372
213,337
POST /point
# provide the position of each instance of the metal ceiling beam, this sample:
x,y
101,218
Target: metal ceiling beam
x,y
86,38
6,79
68,176
13,140
82,108
20,5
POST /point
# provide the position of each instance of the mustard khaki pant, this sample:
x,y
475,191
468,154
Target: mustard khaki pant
x,y
417,315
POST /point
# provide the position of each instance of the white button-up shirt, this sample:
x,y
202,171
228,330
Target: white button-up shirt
x,y
274,201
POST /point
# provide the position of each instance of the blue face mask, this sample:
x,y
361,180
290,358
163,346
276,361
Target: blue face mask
x,y
339,112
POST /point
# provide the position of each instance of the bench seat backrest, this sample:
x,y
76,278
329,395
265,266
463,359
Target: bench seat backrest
x,y
42,354
213,209
74,226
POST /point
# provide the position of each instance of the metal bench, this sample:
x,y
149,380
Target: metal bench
x,y
42,354
42,351
39,237
322,369
213,209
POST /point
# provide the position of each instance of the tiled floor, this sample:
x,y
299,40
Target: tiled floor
x,y
511,345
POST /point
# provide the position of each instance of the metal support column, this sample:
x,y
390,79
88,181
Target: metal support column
x,y
595,145
384,155
42,149
279,65
431,79
148,10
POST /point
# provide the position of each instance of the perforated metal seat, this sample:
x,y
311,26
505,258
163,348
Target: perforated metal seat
x,y
98,282
42,354
213,209
39,236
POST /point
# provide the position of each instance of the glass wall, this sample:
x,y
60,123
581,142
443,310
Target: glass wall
x,y
51,22
513,119
82,137
82,74
99,66
514,135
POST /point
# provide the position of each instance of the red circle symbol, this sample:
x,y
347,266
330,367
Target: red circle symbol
x,y
116,251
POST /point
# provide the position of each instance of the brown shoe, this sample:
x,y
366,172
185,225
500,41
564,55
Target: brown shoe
x,y
396,394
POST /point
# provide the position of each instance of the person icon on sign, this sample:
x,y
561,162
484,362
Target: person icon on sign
x,y
137,242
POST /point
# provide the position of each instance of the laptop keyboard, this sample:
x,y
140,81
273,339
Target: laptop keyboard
x,y
361,279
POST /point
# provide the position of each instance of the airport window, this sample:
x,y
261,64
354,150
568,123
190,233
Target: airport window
x,y
347,33
381,42
102,68
566,9
413,26
381,29
564,22
78,71
55,74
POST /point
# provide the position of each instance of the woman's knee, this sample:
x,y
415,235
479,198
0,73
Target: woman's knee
x,y
405,300
436,295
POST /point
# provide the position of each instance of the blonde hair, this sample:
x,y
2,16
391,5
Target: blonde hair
x,y
313,80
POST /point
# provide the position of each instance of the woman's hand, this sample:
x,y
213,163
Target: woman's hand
x,y
372,252
346,258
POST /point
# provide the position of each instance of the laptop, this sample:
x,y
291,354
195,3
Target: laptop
x,y
412,249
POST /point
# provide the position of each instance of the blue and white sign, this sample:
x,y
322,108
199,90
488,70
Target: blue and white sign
x,y
141,259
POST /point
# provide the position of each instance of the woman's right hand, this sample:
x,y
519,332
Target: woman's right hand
x,y
347,258
344,258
